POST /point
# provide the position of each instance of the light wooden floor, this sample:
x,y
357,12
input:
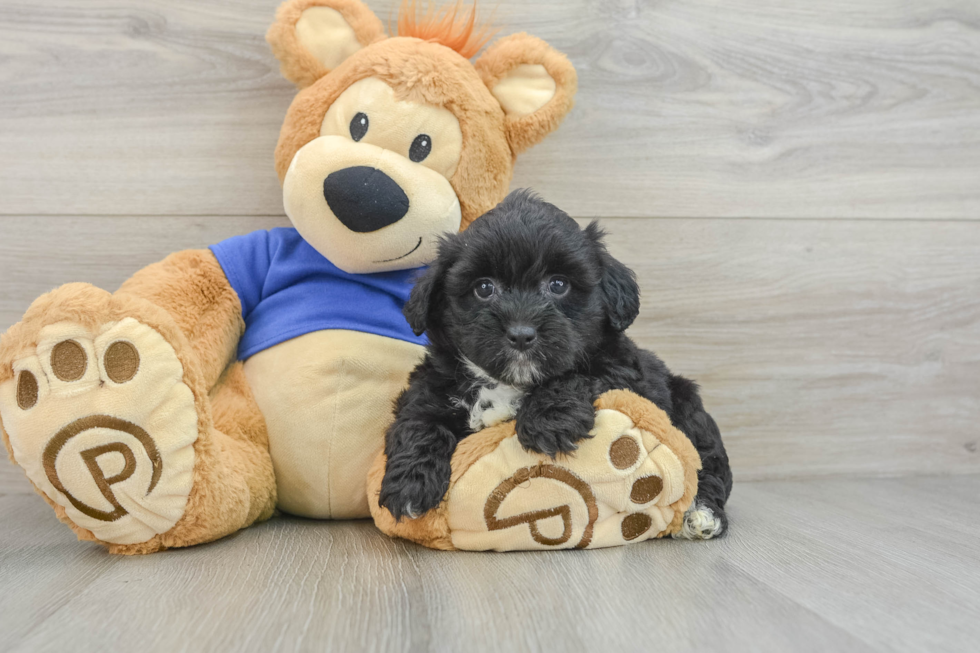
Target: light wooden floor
x,y
797,185
831,565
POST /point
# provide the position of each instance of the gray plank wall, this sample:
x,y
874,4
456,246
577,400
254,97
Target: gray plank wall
x,y
797,185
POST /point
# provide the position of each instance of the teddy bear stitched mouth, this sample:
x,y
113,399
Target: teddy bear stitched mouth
x,y
364,199
406,254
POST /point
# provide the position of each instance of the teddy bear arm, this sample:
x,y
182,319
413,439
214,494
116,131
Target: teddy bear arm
x,y
192,287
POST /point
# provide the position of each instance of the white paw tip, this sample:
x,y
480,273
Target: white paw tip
x,y
700,523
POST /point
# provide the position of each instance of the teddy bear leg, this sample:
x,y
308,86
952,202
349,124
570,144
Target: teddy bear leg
x,y
240,434
105,405
234,485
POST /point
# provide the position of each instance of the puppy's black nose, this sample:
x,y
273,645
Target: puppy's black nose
x,y
364,199
521,337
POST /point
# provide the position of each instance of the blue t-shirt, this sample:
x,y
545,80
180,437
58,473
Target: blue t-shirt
x,y
288,289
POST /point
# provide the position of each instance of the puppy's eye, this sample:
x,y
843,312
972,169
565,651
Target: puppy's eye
x,y
421,147
559,285
359,126
483,289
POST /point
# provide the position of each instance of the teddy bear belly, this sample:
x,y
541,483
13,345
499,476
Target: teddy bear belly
x,y
327,398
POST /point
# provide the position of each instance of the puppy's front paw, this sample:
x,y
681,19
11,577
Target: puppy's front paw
x,y
554,429
413,492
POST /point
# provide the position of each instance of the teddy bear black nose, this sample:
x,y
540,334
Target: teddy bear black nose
x,y
364,199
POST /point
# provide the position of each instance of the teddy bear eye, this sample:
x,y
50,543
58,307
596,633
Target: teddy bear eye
x,y
421,147
359,126
483,288
559,285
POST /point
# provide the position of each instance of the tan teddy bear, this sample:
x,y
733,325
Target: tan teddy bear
x,y
219,385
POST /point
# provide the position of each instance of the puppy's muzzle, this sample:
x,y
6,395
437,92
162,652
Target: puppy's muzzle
x,y
364,199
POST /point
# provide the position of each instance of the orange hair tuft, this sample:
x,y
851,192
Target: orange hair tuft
x,y
452,26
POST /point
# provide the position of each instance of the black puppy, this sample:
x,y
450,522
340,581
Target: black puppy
x,y
525,314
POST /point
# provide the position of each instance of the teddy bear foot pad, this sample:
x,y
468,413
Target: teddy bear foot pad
x,y
617,488
104,425
632,481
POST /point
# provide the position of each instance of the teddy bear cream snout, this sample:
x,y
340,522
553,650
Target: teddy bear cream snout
x,y
372,192
366,208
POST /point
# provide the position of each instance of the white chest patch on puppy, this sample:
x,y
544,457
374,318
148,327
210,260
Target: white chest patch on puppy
x,y
496,402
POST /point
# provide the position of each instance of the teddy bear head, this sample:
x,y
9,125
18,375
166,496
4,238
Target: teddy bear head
x,y
393,141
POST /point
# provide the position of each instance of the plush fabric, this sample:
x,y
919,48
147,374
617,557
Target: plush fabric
x,y
232,483
288,289
107,447
323,416
297,62
426,73
514,52
525,89
631,482
430,206
325,33
194,291
403,121
132,416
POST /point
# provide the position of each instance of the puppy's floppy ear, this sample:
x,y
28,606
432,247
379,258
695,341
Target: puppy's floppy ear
x,y
620,291
417,307
312,37
427,293
534,84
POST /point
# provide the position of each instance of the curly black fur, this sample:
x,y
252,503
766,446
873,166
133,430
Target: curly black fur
x,y
579,351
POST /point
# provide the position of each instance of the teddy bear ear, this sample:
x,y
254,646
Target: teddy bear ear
x,y
312,37
534,83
